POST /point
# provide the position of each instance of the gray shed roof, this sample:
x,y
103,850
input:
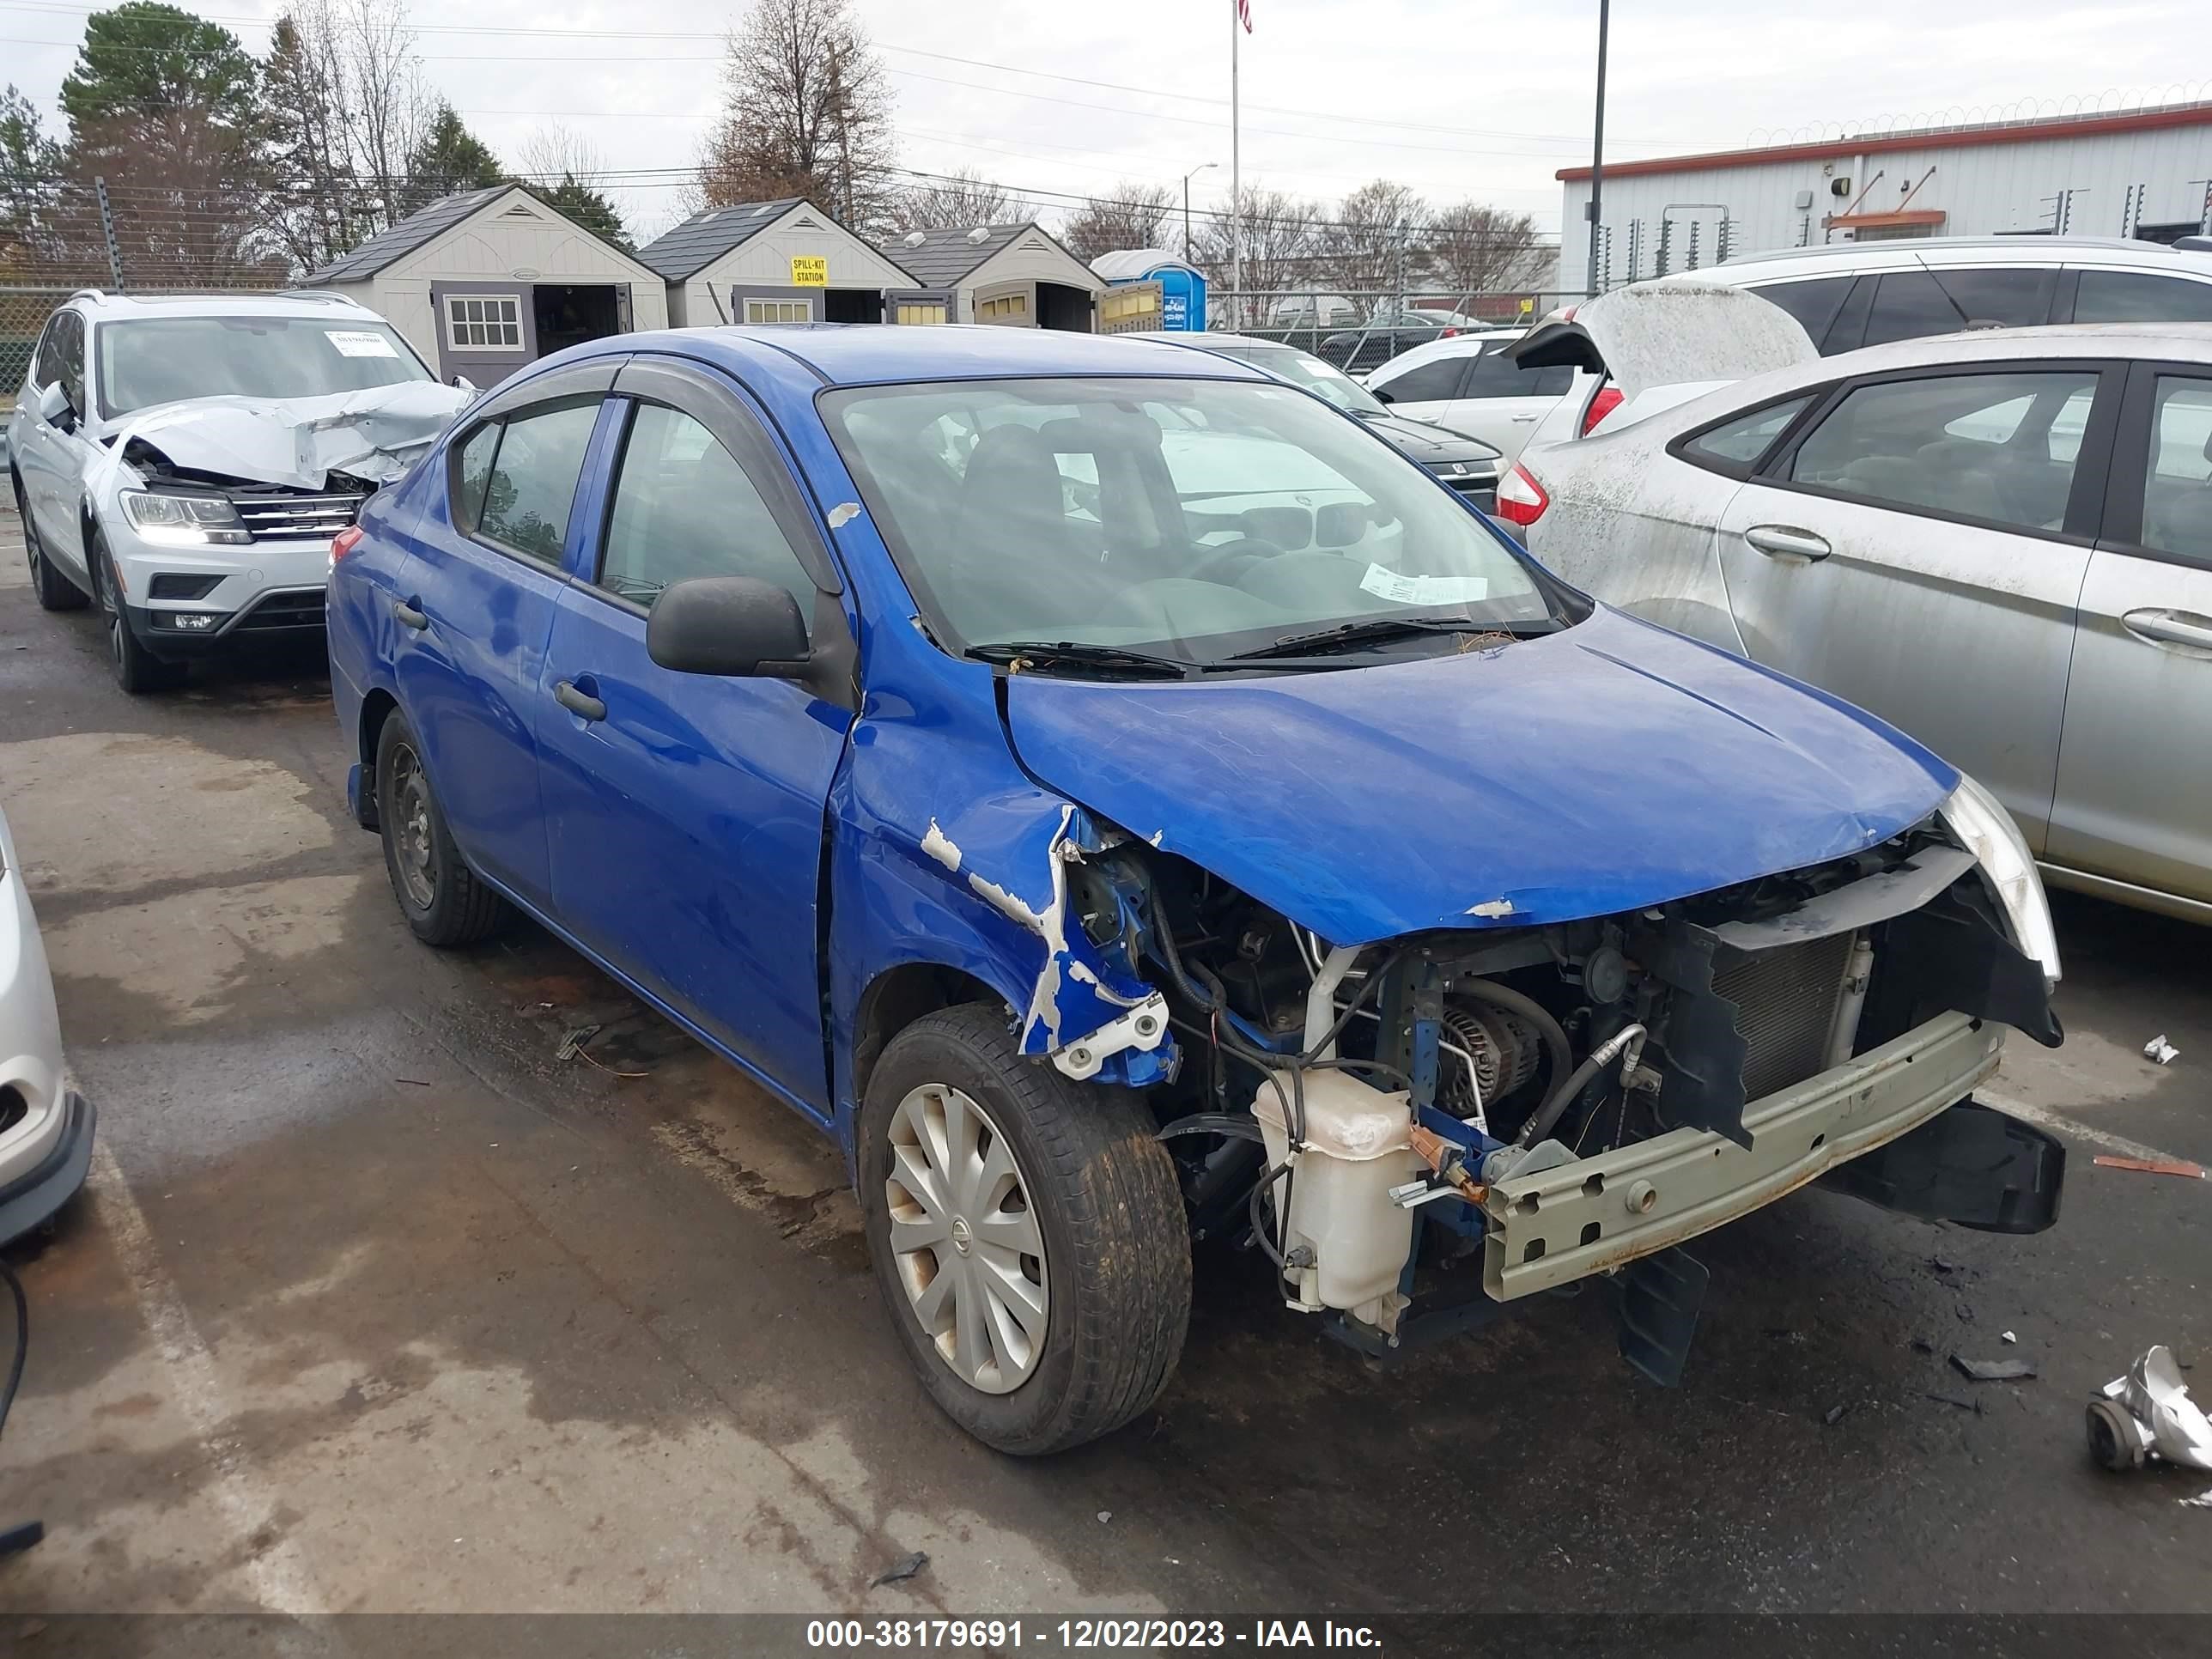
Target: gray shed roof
x,y
705,237
942,258
404,238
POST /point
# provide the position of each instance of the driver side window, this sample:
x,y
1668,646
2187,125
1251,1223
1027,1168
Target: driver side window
x,y
684,507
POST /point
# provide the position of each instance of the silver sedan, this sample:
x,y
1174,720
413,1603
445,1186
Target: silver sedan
x,y
2000,541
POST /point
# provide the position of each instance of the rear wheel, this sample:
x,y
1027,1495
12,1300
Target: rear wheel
x,y
444,902
53,591
137,670
1027,1233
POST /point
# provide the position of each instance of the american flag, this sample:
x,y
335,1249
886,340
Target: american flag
x,y
1244,15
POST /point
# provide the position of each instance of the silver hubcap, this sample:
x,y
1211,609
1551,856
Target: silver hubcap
x,y
970,1252
411,820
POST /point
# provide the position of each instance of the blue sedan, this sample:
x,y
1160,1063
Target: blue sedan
x,y
1123,801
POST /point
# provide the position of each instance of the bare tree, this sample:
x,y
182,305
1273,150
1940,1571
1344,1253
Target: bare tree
x,y
1131,215
555,151
1478,249
957,199
387,103
807,112
1280,237
1373,244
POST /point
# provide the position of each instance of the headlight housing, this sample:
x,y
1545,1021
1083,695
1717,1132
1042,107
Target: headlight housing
x,y
183,520
1983,826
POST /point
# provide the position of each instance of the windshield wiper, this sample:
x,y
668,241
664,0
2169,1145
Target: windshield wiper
x,y
1082,654
1386,628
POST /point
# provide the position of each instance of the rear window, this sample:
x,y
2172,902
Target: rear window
x,y
2129,296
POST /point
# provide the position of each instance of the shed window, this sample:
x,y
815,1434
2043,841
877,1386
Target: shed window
x,y
779,311
484,322
1004,304
930,311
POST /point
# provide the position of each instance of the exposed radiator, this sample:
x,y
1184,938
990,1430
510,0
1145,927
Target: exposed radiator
x,y
1785,1002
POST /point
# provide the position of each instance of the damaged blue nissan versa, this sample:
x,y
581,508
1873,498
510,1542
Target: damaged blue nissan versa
x,y
1125,802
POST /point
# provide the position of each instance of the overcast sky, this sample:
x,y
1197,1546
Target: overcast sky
x,y
1459,98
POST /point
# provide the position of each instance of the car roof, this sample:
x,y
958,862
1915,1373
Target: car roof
x,y
1465,343
1945,251
864,354
268,302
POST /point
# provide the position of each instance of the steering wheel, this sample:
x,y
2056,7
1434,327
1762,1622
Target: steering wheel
x,y
1246,548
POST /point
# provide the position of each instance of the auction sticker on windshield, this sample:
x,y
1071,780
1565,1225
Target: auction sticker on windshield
x,y
1425,590
355,342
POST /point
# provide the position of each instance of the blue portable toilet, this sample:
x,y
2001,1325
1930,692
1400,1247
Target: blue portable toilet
x,y
1148,288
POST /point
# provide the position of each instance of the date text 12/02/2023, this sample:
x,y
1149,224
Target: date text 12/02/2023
x,y
1083,1634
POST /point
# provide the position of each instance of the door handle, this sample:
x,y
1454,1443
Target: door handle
x,y
580,703
409,617
1779,541
1519,418
2169,628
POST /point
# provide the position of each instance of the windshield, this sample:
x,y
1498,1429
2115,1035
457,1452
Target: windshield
x,y
158,359
1324,380
1191,519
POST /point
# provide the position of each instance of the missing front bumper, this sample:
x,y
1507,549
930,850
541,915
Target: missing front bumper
x,y
1598,1213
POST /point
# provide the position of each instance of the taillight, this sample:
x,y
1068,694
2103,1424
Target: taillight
x,y
1608,399
1447,334
1521,499
345,541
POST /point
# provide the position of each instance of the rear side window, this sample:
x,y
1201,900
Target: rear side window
x,y
1814,304
1910,305
1738,443
2177,478
684,507
2130,296
472,472
1971,446
1425,383
532,481
1497,376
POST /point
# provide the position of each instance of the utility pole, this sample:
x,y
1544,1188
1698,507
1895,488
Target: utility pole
x,y
1597,143
844,138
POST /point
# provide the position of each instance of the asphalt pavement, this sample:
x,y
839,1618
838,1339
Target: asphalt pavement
x,y
374,1302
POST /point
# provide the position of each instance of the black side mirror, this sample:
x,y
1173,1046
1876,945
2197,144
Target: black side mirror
x,y
735,626
1382,396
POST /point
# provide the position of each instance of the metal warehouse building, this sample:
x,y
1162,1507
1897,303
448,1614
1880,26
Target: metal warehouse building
x,y
2144,172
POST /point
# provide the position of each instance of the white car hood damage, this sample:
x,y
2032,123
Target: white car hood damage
x,y
295,442
1651,335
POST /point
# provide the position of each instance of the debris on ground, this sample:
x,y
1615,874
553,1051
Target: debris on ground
x,y
1104,1515
2007,1336
2201,1501
1923,1345
1834,1415
1942,1264
2159,1052
1966,1313
572,1043
2148,1413
2174,1166
901,1570
1992,1371
1962,1402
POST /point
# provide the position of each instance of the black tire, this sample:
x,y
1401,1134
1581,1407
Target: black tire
x,y
1116,1243
53,591
442,897
137,670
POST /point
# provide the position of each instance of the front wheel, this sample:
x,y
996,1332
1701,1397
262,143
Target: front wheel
x,y
137,670
440,896
1027,1233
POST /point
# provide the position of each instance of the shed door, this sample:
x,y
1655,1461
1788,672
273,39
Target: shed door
x,y
918,305
486,331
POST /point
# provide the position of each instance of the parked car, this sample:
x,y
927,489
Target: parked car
x,y
185,462
1847,295
1002,746
46,1127
1466,464
1381,335
1999,541
1468,384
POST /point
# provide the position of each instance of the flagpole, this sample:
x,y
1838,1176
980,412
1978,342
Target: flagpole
x,y
1235,186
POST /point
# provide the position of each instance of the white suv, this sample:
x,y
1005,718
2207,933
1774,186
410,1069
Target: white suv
x,y
184,461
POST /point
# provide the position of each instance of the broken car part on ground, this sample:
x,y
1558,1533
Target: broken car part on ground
x,y
1126,803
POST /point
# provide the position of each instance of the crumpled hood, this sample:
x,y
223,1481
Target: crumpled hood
x,y
1607,767
375,433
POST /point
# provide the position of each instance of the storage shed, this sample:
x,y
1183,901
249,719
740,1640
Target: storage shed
x,y
483,282
1016,276
771,262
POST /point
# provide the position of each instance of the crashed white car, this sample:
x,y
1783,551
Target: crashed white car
x,y
184,461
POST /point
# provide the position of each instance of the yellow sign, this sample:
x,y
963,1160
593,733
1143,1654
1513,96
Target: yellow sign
x,y
810,270
1527,307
